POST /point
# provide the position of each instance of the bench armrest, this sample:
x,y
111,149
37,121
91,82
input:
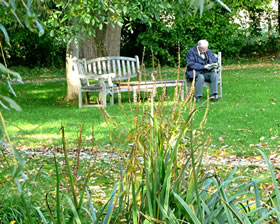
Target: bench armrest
x,y
108,76
104,77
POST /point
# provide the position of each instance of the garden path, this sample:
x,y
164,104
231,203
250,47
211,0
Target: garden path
x,y
221,159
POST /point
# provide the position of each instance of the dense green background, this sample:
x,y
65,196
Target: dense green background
x,y
234,40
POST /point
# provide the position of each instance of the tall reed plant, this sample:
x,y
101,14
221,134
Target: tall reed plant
x,y
79,207
71,203
165,179
163,161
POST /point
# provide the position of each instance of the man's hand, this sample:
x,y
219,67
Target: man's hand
x,y
211,66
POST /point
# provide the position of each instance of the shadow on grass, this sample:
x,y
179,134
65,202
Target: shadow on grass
x,y
246,118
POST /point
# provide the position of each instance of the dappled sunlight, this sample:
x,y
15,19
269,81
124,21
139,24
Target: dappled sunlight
x,y
49,133
40,91
249,94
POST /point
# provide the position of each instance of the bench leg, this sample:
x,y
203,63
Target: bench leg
x,y
182,92
87,99
154,92
119,96
80,96
103,98
220,90
185,89
112,97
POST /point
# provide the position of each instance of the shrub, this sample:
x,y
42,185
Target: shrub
x,y
217,26
28,49
266,43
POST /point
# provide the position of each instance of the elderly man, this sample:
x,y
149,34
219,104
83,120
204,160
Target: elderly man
x,y
203,61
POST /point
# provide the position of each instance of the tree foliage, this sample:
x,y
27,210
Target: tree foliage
x,y
158,25
24,14
91,14
65,19
21,13
216,25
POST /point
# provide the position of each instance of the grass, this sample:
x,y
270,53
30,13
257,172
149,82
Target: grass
x,y
242,121
236,125
41,181
246,117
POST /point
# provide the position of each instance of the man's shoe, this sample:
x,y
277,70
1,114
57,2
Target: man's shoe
x,y
197,98
214,98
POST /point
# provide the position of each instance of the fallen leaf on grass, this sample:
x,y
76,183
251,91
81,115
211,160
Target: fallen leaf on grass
x,y
259,158
221,139
88,138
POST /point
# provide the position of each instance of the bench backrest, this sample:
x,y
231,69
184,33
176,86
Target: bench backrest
x,y
124,67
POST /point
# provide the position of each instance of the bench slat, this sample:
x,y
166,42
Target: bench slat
x,y
123,66
104,67
99,68
119,72
94,69
133,68
109,66
114,66
128,67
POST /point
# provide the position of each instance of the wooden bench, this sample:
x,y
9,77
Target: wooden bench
x,y
109,75
219,73
104,71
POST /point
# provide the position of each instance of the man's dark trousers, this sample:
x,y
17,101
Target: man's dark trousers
x,y
211,77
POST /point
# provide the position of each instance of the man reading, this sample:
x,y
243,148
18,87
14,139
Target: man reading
x,y
204,62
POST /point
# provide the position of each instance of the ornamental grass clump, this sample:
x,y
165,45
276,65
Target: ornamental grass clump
x,y
166,181
163,163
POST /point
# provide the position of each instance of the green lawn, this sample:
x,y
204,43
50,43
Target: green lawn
x,y
246,118
248,115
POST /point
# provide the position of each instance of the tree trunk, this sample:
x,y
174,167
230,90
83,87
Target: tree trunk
x,y
73,82
105,43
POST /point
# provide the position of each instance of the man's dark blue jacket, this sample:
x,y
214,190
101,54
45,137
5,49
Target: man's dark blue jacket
x,y
197,63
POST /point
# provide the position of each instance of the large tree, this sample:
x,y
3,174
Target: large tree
x,y
93,27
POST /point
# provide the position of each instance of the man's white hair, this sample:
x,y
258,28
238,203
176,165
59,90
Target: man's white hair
x,y
202,43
